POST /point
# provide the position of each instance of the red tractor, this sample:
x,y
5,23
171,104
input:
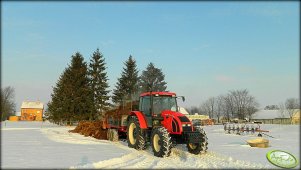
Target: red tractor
x,y
159,123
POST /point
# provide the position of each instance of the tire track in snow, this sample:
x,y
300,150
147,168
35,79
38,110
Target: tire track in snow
x,y
62,135
209,160
131,160
179,158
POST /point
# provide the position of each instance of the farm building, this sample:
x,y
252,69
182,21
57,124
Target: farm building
x,y
276,117
296,117
32,111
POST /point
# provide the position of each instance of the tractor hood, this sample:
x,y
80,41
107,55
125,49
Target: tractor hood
x,y
175,114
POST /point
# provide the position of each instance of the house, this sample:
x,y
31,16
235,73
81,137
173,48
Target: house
x,y
32,110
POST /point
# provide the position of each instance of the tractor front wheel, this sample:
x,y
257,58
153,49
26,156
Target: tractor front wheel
x,y
196,148
161,142
135,135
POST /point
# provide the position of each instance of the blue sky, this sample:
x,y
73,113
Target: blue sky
x,y
204,48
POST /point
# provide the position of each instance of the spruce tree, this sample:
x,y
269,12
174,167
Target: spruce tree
x,y
98,83
82,103
58,105
152,79
127,85
71,99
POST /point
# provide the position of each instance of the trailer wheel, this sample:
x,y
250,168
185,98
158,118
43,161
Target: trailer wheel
x,y
135,135
196,148
113,135
161,142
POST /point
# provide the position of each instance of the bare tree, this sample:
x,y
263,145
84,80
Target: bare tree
x,y
271,107
8,105
209,107
251,107
244,104
193,109
219,106
236,104
289,107
282,110
228,106
239,101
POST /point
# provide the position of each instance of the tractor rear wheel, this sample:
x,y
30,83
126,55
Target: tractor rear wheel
x,y
135,135
196,148
161,142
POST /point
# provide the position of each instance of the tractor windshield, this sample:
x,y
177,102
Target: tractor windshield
x,y
161,103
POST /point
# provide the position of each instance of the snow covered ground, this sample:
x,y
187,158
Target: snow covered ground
x,y
45,145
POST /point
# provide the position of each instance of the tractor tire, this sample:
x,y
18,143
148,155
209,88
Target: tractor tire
x,y
135,135
161,142
197,148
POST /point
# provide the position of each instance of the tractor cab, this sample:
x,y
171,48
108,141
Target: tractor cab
x,y
152,104
159,122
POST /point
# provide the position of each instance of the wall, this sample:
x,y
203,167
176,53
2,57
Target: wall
x,y
32,114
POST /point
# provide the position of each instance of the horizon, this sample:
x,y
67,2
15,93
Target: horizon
x,y
204,48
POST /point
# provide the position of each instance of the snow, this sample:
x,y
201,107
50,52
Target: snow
x,y
45,145
32,105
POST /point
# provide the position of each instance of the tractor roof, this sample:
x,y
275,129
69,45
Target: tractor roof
x,y
159,93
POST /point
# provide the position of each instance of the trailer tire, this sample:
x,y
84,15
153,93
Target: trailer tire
x,y
114,135
135,135
161,142
197,148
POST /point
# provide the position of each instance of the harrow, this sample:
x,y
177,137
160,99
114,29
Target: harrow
x,y
245,128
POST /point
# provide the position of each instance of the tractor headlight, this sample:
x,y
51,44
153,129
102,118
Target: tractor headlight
x,y
186,125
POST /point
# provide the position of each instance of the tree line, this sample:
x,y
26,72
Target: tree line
x,y
82,90
240,104
235,104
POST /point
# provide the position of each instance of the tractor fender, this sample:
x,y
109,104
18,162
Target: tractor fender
x,y
141,119
179,123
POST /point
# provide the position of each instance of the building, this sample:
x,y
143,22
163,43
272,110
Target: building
x,y
183,111
276,117
32,111
296,117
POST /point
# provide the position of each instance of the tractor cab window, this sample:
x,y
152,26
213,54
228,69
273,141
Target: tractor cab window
x,y
145,105
161,103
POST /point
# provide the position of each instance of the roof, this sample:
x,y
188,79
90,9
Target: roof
x,y
183,111
32,105
269,114
159,93
202,117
